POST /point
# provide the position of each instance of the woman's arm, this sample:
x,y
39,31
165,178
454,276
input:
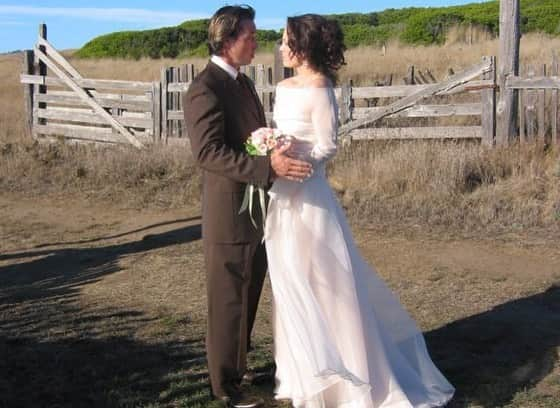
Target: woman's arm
x,y
324,118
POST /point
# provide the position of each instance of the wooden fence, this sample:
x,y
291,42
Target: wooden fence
x,y
538,113
68,105
175,80
424,102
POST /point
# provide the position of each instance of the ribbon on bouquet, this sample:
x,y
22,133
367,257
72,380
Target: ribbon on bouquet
x,y
247,203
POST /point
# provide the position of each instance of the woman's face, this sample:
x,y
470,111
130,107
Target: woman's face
x,y
289,59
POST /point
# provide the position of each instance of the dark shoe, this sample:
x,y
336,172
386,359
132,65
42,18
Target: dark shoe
x,y
258,377
243,401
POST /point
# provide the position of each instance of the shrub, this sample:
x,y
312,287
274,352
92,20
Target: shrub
x,y
422,26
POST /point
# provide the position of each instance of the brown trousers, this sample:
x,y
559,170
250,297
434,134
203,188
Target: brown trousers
x,y
235,276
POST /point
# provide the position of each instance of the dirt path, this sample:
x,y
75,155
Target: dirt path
x,y
74,272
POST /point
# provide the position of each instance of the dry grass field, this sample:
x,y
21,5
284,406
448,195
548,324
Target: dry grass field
x,y
102,288
369,64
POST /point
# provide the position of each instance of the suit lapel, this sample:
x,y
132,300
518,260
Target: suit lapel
x,y
257,110
232,88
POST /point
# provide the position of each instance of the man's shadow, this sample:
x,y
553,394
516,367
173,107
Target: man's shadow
x,y
491,356
101,368
56,352
60,271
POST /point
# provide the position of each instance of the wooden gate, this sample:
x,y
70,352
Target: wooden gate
x,y
68,105
358,123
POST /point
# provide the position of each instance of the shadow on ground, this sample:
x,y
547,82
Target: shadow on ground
x,y
54,352
109,371
60,271
491,356
57,352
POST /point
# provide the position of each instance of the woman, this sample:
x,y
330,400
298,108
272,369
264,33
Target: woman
x,y
341,337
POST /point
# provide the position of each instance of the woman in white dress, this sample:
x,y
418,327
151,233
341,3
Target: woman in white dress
x,y
342,339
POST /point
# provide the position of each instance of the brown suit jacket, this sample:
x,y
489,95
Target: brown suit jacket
x,y
219,116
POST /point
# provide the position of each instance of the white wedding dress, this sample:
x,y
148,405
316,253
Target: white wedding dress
x,y
341,337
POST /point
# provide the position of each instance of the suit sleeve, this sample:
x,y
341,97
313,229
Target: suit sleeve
x,y
205,123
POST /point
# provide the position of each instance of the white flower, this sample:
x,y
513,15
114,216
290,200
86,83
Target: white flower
x,y
263,140
271,143
257,139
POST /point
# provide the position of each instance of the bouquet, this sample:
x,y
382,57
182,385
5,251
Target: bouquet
x,y
260,143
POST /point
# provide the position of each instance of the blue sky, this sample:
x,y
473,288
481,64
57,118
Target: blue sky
x,y
71,24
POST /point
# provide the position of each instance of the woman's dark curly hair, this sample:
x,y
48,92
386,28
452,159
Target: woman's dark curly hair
x,y
319,41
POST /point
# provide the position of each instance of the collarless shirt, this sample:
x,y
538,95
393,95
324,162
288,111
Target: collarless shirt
x,y
219,61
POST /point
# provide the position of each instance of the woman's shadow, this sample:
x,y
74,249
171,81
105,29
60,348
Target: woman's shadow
x,y
491,356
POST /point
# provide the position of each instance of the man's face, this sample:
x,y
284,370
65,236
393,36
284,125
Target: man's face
x,y
241,50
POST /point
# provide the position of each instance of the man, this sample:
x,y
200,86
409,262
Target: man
x,y
221,110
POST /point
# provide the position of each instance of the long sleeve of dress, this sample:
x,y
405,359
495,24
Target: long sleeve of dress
x,y
324,119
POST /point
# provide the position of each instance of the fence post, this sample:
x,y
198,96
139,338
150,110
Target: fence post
x,y
409,79
39,69
171,127
164,82
156,114
115,113
270,75
252,72
278,66
522,95
554,113
191,73
28,57
270,95
488,101
388,80
261,82
346,102
531,100
177,71
540,108
508,60
183,78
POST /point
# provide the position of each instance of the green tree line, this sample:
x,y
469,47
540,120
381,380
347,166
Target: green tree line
x,y
411,25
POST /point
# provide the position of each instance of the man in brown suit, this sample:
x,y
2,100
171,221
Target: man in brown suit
x,y
221,110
